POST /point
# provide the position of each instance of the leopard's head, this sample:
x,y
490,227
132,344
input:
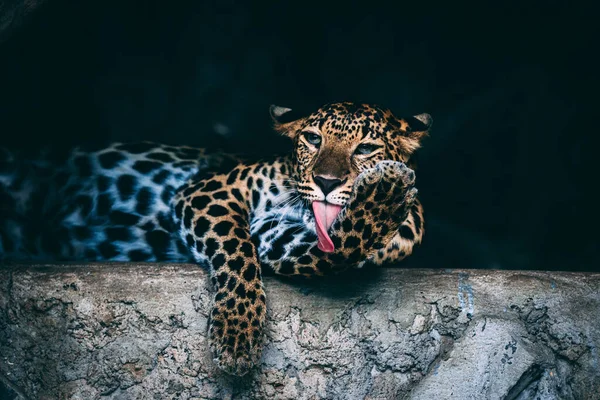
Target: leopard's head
x,y
333,145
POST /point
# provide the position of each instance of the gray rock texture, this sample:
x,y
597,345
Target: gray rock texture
x,y
135,331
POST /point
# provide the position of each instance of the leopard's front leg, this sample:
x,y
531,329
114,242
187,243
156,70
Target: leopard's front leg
x,y
214,223
376,213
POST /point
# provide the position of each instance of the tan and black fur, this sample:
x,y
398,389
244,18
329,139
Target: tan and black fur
x,y
147,202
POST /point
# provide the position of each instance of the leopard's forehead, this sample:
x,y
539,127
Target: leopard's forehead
x,y
352,121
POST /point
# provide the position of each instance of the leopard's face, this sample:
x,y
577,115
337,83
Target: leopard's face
x,y
335,144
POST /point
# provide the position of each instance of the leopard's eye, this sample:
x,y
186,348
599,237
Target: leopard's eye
x,y
313,138
365,148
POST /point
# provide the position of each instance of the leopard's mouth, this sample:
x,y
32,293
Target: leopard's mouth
x,y
325,213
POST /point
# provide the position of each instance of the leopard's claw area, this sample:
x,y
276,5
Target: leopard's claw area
x,y
237,364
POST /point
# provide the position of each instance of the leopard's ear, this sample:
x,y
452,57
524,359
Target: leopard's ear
x,y
414,129
420,123
277,112
285,121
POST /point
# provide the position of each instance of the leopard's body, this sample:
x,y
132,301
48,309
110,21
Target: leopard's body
x,y
148,202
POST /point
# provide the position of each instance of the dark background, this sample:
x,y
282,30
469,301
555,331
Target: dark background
x,y
508,177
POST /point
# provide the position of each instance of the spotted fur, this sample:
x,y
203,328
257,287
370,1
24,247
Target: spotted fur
x,y
148,202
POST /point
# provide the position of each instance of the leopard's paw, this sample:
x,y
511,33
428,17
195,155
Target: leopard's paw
x,y
396,173
234,352
236,363
369,177
385,193
390,182
235,340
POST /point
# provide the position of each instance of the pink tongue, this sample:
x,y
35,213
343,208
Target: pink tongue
x,y
325,214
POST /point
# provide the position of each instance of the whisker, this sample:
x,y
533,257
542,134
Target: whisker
x,y
288,208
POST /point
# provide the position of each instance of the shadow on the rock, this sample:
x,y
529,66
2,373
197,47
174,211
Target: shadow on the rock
x,y
348,283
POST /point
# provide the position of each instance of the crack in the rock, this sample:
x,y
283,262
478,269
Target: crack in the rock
x,y
533,373
537,323
14,387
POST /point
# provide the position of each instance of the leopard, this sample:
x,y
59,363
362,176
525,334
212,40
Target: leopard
x,y
343,197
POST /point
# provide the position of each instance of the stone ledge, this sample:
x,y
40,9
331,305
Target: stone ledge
x,y
139,331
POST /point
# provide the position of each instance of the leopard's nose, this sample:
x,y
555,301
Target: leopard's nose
x,y
327,184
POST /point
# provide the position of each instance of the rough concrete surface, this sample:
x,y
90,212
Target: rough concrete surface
x,y
138,331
